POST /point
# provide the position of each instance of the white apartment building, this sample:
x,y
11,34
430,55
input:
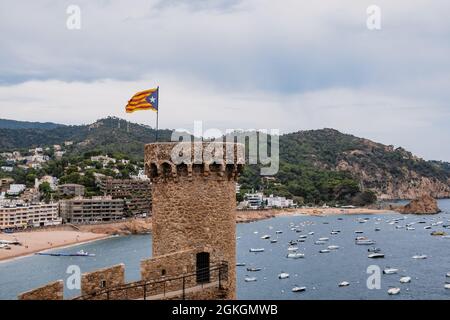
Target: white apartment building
x,y
254,200
278,202
15,189
16,214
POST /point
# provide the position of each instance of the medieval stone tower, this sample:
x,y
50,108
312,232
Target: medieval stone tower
x,y
194,205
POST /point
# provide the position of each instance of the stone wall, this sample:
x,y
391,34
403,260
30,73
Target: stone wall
x,y
169,265
51,291
98,280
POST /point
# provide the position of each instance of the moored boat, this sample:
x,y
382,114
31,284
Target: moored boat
x,y
390,271
295,255
405,279
298,289
394,291
256,250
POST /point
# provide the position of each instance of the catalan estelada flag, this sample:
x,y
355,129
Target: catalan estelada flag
x,y
144,100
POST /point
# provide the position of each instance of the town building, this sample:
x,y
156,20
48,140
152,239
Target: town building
x,y
7,168
71,190
278,202
52,181
97,209
254,200
18,214
135,192
15,189
105,160
5,183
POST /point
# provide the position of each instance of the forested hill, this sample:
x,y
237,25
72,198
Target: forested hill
x,y
315,166
109,135
14,124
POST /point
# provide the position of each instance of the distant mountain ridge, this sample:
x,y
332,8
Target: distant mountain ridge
x,y
14,124
316,166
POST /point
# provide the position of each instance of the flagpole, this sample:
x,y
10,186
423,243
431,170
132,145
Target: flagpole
x,y
157,114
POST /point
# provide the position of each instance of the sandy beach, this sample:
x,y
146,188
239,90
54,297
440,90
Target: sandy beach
x,y
36,241
255,215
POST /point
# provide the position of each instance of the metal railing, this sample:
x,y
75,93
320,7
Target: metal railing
x,y
162,287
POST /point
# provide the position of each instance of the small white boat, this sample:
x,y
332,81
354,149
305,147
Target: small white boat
x,y
266,236
253,269
361,238
420,256
390,271
394,291
298,289
256,250
405,279
319,242
364,242
278,232
375,255
448,275
250,279
311,233
273,241
333,247
324,251
447,286
240,264
283,275
323,239
410,228
344,284
292,249
295,255
302,236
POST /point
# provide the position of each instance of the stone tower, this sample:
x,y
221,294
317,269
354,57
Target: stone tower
x,y
194,202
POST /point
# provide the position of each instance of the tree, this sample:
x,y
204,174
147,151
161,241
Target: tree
x,y
45,191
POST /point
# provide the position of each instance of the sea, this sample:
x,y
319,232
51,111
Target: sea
x,y
399,237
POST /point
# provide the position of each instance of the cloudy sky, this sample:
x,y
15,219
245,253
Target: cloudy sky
x,y
253,64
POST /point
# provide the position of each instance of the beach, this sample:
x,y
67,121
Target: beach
x,y
36,241
243,216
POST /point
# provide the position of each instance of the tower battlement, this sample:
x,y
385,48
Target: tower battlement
x,y
178,160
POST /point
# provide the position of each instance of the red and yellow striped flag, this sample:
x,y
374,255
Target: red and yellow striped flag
x,y
144,100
